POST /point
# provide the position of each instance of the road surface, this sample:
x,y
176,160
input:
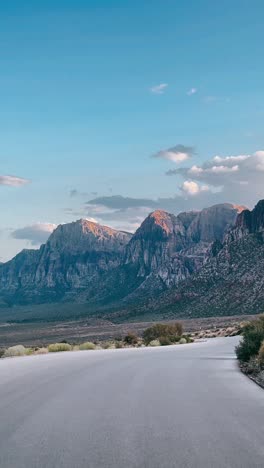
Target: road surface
x,y
180,406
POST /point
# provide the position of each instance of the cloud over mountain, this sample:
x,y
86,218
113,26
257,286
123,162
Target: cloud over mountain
x,y
127,213
225,170
234,179
190,187
36,233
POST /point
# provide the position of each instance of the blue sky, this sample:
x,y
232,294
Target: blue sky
x,y
82,110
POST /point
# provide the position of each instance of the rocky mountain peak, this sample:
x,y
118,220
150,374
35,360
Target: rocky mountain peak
x,y
160,217
212,223
239,208
85,235
159,226
251,221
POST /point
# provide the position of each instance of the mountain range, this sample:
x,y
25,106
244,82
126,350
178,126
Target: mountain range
x,y
194,264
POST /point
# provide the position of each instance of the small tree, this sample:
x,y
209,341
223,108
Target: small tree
x,y
171,331
131,339
253,336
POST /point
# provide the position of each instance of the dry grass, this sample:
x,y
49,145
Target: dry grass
x,y
41,351
59,347
15,351
87,346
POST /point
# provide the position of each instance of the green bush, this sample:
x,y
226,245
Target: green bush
x,y
154,343
162,330
14,351
188,338
2,352
175,339
118,344
261,355
58,347
253,336
183,341
87,346
131,339
252,366
165,341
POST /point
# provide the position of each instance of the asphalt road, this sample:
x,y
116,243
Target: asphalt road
x,y
180,406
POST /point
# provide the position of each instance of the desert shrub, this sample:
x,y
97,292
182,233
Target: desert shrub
x,y
75,347
252,366
253,336
118,344
261,355
154,343
14,351
58,347
183,341
106,345
29,351
165,341
2,352
131,339
40,351
188,338
162,330
87,346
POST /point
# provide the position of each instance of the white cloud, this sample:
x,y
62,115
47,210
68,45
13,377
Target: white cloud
x,y
236,179
176,154
194,170
159,89
260,160
92,220
230,159
239,178
192,91
13,181
190,187
36,234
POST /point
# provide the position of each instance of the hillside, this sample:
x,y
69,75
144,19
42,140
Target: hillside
x,y
231,281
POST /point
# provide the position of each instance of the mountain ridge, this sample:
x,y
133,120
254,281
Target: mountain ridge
x,y
173,265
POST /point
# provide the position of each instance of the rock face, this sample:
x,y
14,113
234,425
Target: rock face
x,y
83,261
172,247
164,251
74,255
231,280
